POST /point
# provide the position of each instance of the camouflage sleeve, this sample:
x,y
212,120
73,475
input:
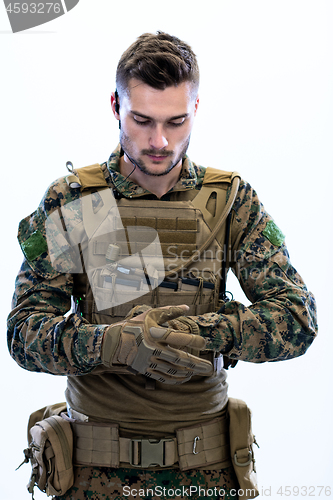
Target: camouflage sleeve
x,y
41,336
281,323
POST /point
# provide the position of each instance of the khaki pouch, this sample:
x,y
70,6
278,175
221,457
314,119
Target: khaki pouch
x,y
50,451
241,447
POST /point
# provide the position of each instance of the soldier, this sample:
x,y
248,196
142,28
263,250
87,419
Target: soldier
x,y
142,243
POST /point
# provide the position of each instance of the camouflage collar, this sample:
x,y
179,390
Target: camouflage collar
x,y
188,177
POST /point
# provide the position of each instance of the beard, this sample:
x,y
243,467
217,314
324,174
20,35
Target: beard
x,y
127,147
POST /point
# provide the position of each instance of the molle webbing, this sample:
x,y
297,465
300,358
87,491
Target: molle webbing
x,y
178,232
214,219
210,200
191,233
191,447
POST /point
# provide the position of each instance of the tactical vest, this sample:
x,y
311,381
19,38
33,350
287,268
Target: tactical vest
x,y
147,251
174,257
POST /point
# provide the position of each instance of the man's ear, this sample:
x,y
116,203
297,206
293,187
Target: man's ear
x,y
196,105
115,104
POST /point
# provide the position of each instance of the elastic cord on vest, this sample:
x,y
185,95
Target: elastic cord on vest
x,y
196,255
223,284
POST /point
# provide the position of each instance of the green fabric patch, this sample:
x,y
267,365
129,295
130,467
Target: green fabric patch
x,y
273,233
34,246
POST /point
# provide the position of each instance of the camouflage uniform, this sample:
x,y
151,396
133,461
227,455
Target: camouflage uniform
x,y
280,324
105,484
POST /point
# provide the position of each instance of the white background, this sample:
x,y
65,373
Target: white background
x,y
266,110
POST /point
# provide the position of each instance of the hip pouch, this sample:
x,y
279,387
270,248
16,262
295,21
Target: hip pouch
x,y
241,447
50,451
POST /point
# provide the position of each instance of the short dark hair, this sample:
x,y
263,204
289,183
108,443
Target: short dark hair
x,y
159,60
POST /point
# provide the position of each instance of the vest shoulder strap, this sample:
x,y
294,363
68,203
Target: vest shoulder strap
x,y
215,176
89,177
212,197
92,176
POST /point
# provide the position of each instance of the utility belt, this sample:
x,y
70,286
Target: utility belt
x,y
57,442
101,445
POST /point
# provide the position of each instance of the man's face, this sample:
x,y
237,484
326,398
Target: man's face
x,y
156,125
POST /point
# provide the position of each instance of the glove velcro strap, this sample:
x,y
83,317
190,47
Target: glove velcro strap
x,y
110,344
194,328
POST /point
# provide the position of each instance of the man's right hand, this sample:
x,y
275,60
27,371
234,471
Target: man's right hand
x,y
145,346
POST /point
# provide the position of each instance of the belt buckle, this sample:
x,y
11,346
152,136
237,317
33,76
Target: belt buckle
x,y
151,452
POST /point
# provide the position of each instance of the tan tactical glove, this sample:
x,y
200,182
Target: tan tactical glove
x,y
186,325
155,351
135,311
